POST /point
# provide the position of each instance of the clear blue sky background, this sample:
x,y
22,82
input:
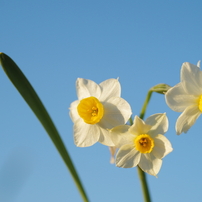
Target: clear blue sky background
x,y
55,42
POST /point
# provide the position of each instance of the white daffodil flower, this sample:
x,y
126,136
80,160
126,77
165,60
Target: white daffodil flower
x,y
98,109
142,144
186,97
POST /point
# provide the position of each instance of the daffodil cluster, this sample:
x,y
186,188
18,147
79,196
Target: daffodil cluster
x,y
101,115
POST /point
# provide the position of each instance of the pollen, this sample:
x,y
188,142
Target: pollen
x,y
90,110
144,143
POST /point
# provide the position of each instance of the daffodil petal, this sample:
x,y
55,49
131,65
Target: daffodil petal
x,y
110,88
73,111
162,147
150,164
198,64
85,134
187,119
116,112
105,137
159,123
121,136
86,88
177,99
191,78
139,127
127,157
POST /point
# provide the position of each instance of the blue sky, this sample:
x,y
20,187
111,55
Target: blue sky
x,y
55,42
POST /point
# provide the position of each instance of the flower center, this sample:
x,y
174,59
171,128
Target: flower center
x,y
200,103
144,143
90,110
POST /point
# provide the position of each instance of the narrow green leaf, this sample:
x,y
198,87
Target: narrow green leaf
x,y
28,93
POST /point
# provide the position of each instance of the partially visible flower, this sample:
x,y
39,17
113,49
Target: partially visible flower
x,y
142,144
98,108
186,97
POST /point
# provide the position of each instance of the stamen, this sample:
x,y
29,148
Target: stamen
x,y
144,143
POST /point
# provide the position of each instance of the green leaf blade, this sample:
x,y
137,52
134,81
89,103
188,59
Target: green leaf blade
x,y
24,87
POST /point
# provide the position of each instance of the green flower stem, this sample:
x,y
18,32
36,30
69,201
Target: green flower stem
x,y
146,102
142,176
145,188
28,93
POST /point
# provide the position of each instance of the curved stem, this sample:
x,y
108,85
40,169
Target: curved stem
x,y
146,102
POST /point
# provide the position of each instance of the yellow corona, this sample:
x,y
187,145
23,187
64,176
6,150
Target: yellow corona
x,y
90,110
200,103
144,143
